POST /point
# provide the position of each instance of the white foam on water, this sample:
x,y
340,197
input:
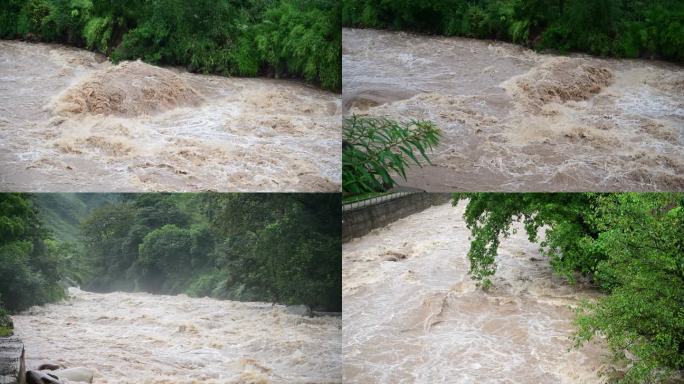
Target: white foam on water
x,y
516,120
73,121
154,339
422,319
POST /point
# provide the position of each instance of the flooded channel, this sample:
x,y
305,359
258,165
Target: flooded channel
x,y
72,121
412,313
153,339
516,120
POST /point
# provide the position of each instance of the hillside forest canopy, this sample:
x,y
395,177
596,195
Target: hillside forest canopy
x,y
280,38
620,28
280,248
629,245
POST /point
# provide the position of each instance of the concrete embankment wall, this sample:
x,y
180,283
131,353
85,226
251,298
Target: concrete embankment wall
x,y
12,366
360,221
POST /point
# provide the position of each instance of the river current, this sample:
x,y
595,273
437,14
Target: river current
x,y
140,338
412,314
517,120
72,121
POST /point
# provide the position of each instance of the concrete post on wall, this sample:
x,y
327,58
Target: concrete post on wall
x,y
12,366
360,218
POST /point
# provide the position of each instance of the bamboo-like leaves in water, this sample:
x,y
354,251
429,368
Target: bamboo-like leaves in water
x,y
374,148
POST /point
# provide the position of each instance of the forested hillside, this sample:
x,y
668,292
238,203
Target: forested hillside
x,y
622,28
283,248
62,213
630,245
282,38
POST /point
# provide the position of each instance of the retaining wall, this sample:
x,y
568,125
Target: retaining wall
x,y
360,221
12,366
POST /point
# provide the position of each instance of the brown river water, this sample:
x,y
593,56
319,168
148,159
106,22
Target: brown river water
x,y
72,121
140,338
413,315
516,120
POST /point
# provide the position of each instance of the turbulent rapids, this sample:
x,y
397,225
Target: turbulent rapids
x,y
72,121
412,314
515,120
151,339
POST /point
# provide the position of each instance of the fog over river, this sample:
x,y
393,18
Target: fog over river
x,y
140,338
72,121
412,313
516,120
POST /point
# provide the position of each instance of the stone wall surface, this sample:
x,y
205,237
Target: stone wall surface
x,y
359,222
12,366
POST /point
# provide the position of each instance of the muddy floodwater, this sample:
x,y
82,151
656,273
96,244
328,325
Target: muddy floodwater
x,y
412,314
516,120
72,121
151,339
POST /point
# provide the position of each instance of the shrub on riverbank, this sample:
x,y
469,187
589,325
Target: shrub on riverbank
x,y
622,28
281,38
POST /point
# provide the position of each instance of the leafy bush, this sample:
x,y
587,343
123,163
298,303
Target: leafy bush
x,y
6,325
629,244
373,148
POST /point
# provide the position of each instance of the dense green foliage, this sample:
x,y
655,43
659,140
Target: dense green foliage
x,y
631,245
623,28
282,248
29,273
374,148
283,38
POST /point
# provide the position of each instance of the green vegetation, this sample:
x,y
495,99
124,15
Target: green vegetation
x,y
373,148
281,38
623,28
62,212
630,245
283,248
29,273
6,326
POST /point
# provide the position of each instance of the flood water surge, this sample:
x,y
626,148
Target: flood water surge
x,y
516,120
412,313
153,339
72,121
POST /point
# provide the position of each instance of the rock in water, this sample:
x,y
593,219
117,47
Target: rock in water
x,y
301,310
12,367
78,374
37,377
48,367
